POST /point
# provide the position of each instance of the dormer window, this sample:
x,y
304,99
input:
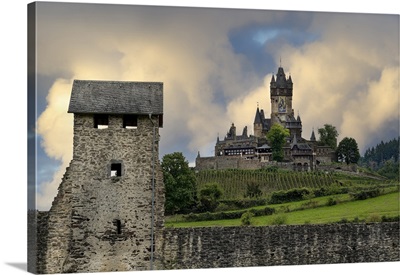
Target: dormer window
x,y
100,121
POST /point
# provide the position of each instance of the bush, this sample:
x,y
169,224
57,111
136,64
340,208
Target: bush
x,y
365,194
253,190
209,196
309,204
373,218
243,203
207,216
271,168
289,196
246,218
331,201
327,191
279,219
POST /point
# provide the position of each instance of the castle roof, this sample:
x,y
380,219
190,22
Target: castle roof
x,y
281,77
116,97
258,119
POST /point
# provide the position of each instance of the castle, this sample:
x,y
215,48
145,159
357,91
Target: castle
x,y
253,151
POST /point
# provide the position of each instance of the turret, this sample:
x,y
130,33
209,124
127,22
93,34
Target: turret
x,y
312,138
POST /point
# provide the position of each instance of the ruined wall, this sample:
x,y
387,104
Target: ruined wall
x,y
217,247
99,222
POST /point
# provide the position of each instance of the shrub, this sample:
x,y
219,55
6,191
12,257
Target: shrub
x,y
243,203
309,204
279,219
289,196
332,190
253,190
331,201
207,216
272,168
246,218
365,194
373,218
209,196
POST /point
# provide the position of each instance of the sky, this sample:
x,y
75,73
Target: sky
x,y
216,65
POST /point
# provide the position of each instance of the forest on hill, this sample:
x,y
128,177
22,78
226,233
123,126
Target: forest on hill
x,y
383,158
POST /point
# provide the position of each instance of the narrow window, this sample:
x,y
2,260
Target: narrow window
x,y
160,121
130,121
118,226
116,170
100,121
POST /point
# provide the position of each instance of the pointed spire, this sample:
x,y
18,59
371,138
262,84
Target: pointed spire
x,y
289,79
198,154
312,135
298,117
273,79
257,118
244,133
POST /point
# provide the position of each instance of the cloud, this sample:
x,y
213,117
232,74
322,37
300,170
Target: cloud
x,y
185,49
56,128
208,82
349,77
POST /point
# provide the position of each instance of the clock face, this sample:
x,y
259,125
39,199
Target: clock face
x,y
282,104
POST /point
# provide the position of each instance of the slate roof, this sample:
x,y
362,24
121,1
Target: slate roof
x,y
116,97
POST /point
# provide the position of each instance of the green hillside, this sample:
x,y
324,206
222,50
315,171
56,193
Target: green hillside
x,y
234,182
346,210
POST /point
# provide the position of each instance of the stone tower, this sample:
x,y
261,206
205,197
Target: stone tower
x,y
281,92
103,218
282,112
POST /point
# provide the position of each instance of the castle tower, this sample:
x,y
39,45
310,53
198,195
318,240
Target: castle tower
x,y
281,92
258,123
103,218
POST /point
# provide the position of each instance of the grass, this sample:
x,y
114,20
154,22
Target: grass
x,y
387,205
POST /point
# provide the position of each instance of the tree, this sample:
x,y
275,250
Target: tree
x,y
276,137
253,190
180,184
209,196
347,150
328,136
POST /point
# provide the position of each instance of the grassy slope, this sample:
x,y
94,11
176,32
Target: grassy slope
x,y
387,205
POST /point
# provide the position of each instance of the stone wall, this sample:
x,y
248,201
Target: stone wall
x,y
99,222
236,162
217,247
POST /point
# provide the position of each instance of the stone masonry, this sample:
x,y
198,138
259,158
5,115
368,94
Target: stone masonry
x,y
247,246
101,218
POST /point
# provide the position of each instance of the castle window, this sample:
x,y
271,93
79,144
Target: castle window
x,y
116,170
100,121
118,225
130,121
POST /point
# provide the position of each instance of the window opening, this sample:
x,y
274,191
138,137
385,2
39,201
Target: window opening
x,y
130,121
100,121
116,170
118,226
